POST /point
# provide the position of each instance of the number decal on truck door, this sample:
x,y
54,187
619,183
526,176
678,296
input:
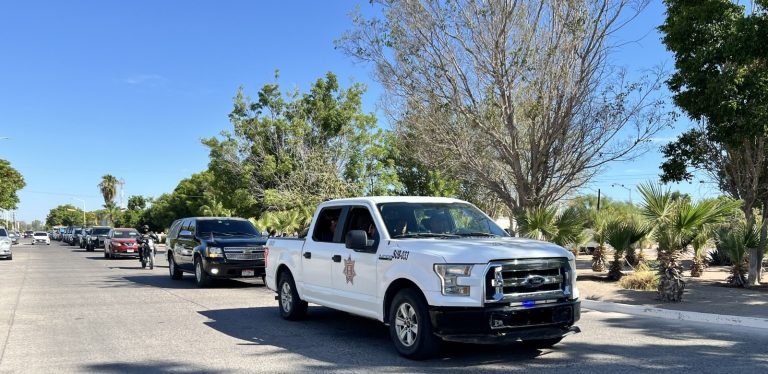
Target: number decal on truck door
x,y
400,255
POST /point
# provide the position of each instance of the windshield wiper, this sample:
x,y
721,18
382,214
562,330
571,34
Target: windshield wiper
x,y
424,235
243,233
485,234
206,233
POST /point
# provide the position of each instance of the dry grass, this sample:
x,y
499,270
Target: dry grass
x,y
643,279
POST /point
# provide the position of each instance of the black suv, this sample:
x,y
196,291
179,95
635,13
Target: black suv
x,y
95,238
212,247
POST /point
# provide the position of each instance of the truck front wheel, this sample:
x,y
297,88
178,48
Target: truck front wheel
x,y
410,327
291,306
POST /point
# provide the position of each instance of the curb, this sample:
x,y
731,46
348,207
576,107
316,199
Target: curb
x,y
642,310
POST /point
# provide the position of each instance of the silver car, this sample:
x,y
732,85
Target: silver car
x,y
5,244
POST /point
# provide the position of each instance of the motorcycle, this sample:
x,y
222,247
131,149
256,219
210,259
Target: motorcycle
x,y
147,256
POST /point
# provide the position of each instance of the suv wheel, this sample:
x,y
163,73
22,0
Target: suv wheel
x,y
201,277
410,327
291,306
173,269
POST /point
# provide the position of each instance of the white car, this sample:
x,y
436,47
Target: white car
x,y
41,237
5,245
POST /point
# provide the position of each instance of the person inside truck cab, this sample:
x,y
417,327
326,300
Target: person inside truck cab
x,y
330,229
438,223
396,223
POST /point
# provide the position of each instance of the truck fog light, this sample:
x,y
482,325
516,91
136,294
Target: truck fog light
x,y
214,271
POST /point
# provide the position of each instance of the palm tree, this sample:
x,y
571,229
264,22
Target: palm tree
x,y
677,223
699,256
735,239
622,236
108,188
215,209
562,229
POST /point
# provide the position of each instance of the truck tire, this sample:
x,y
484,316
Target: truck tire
x,y
541,343
291,306
173,269
202,279
410,326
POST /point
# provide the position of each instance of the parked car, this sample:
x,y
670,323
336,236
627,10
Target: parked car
x,y
28,233
14,236
73,237
41,237
215,248
81,237
121,242
5,245
95,238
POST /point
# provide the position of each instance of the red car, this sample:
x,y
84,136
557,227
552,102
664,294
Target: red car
x,y
121,242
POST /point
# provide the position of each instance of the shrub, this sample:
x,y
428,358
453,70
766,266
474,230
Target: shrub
x,y
718,257
643,279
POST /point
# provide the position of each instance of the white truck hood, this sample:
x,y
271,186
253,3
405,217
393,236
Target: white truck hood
x,y
483,250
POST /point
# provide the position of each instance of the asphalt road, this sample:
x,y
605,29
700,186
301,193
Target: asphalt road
x,y
66,310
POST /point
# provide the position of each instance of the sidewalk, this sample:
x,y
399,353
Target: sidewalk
x,y
708,294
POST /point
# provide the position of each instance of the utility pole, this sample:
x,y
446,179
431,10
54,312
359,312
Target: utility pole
x,y
598,199
121,182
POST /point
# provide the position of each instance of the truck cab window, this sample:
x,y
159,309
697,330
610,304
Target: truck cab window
x,y
326,226
360,219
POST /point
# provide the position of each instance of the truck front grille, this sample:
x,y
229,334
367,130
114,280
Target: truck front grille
x,y
527,279
244,253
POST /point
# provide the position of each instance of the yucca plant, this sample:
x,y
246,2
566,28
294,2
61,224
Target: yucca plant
x,y
735,240
622,235
676,224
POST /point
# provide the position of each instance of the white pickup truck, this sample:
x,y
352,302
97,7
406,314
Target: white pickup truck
x,y
432,269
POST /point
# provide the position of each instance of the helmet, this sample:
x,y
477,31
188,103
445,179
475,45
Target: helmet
x,y
145,228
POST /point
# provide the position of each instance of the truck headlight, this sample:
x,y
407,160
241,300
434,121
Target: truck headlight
x,y
449,275
214,252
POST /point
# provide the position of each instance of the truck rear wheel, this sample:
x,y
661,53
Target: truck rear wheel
x,y
410,327
291,306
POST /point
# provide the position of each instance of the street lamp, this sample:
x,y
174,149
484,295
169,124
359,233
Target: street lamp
x,y
626,188
83,210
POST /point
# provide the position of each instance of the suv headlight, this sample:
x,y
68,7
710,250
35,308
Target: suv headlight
x,y
449,275
214,252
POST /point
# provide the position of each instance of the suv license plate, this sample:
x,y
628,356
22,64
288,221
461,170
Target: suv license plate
x,y
249,273
129,250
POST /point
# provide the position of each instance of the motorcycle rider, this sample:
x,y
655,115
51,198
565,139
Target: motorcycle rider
x,y
144,235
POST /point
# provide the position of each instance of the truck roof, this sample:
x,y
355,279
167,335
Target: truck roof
x,y
395,199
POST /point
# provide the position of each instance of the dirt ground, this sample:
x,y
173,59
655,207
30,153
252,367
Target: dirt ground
x,y
709,293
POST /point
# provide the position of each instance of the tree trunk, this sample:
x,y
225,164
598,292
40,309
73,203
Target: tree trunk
x,y
671,283
738,277
756,254
698,266
598,259
632,257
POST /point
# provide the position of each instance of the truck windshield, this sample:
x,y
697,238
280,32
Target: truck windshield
x,y
225,227
104,231
419,220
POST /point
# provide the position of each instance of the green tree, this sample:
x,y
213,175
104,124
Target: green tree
x,y
622,235
108,188
564,229
138,203
676,224
64,215
290,149
720,82
11,181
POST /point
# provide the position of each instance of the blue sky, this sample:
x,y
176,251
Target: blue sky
x,y
130,87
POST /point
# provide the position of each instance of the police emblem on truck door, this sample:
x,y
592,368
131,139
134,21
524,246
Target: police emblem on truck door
x,y
349,269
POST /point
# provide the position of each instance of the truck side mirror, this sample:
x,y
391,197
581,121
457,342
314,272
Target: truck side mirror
x,y
356,240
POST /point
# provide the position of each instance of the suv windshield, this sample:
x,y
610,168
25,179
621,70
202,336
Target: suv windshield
x,y
419,220
100,231
227,227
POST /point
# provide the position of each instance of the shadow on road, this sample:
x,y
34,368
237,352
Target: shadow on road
x,y
160,279
155,367
346,340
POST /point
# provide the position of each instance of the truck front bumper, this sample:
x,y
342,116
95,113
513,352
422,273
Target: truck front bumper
x,y
219,268
505,324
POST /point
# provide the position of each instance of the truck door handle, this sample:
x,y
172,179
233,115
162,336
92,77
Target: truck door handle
x,y
336,258
307,254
